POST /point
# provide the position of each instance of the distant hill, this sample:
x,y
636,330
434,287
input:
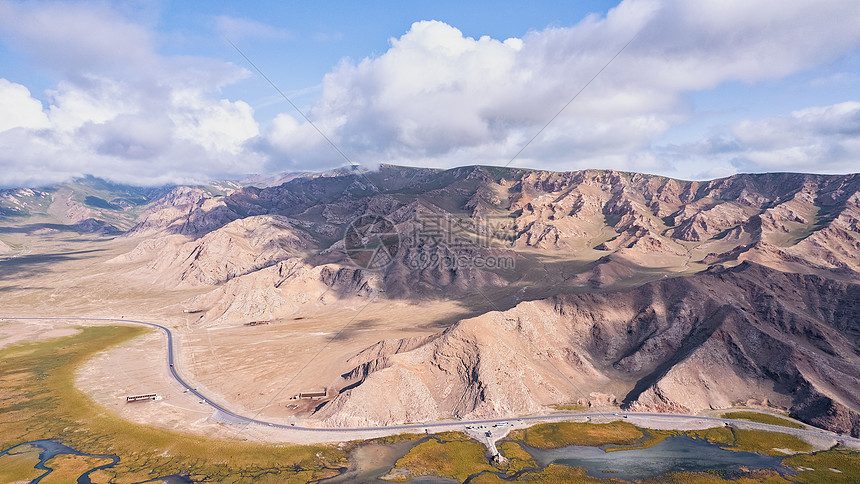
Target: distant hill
x,y
87,204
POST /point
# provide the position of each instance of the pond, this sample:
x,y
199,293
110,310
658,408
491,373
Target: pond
x,y
372,460
675,454
53,448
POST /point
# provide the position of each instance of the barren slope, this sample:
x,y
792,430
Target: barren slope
x,y
687,344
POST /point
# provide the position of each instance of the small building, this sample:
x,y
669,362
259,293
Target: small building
x,y
145,396
311,395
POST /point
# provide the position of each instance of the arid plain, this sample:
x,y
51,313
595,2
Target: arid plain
x,y
625,291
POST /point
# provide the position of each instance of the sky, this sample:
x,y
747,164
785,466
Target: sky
x,y
155,92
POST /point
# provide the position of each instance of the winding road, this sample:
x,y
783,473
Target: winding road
x,y
559,416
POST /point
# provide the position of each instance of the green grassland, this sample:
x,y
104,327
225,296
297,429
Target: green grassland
x,y
393,439
834,466
517,458
457,457
552,474
557,435
38,401
756,477
450,454
758,441
764,418
18,464
766,443
651,438
67,468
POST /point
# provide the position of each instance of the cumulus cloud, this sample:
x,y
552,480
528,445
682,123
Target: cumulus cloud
x,y
18,109
439,98
435,98
822,139
122,110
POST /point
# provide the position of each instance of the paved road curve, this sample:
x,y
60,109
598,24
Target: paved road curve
x,y
241,419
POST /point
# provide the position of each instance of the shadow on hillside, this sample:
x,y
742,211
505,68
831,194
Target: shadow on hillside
x,y
352,329
25,266
22,288
49,229
538,278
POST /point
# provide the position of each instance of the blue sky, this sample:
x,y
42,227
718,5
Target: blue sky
x,y
151,92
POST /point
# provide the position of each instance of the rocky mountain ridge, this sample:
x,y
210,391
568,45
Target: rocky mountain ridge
x,y
616,289
622,225
709,341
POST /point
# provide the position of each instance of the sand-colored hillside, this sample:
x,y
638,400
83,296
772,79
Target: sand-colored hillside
x,y
593,287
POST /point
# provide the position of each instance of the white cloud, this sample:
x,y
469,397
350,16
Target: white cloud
x,y
220,126
107,131
18,109
131,115
437,97
97,100
822,139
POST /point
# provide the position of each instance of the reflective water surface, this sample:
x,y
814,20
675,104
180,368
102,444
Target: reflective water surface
x,y
675,454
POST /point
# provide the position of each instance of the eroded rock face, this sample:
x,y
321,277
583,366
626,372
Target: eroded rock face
x,y
823,411
786,221
184,211
687,344
779,327
238,248
281,290
837,243
93,226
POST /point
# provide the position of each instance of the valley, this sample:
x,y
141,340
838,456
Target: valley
x,y
511,293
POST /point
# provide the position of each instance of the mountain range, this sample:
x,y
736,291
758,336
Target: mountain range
x,y
593,288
